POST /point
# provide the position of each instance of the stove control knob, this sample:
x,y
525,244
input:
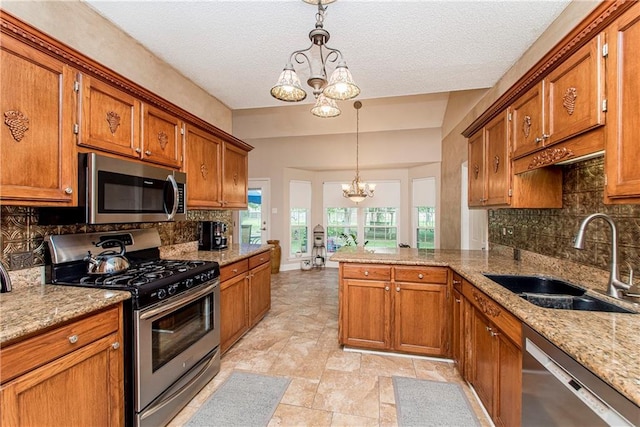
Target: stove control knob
x,y
173,288
162,293
188,283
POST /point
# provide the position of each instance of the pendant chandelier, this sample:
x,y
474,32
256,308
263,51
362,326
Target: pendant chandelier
x,y
358,190
339,87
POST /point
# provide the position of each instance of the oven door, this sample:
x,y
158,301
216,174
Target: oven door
x,y
172,337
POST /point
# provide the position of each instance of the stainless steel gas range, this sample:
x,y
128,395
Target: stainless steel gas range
x,y
171,323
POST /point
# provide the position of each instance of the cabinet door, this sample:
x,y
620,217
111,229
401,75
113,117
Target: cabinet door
x,y
109,119
457,333
162,138
38,165
83,388
366,314
203,163
497,167
420,325
259,292
483,371
509,401
235,177
527,122
623,88
234,312
574,93
476,169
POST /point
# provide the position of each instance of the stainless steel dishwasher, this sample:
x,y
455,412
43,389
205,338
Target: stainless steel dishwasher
x,y
558,391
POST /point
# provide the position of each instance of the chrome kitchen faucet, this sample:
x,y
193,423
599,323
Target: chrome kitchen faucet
x,y
615,284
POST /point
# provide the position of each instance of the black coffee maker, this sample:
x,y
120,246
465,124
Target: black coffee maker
x,y
212,235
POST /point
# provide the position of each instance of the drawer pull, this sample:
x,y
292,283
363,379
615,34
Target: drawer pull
x,y
115,345
420,276
494,334
235,270
458,301
73,339
456,282
366,273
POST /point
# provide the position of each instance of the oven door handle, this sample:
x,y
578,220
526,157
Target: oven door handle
x,y
164,308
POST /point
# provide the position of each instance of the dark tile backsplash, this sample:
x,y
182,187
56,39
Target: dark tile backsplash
x,y
551,231
22,239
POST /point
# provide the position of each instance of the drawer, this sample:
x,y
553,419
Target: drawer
x,y
232,270
31,353
422,274
366,271
259,259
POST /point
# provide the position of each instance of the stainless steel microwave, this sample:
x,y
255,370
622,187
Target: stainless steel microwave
x,y
120,191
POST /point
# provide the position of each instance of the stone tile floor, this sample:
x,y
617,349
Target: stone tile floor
x,y
298,339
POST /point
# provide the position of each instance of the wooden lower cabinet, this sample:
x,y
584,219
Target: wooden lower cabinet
x,y
71,376
394,308
245,297
493,361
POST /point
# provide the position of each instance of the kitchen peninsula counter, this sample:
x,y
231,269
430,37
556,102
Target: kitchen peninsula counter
x,y
605,343
31,308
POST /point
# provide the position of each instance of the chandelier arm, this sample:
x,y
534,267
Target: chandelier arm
x,y
302,52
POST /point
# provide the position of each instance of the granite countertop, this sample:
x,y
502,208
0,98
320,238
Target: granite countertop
x,y
223,257
606,343
32,307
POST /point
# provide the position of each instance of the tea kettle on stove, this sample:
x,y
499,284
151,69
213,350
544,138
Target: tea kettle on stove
x,y
107,261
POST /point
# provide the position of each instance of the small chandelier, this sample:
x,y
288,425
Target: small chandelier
x,y
357,191
339,87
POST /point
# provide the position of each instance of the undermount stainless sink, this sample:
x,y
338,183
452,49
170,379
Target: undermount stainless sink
x,y
553,293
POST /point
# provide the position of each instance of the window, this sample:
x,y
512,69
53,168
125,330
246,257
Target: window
x,y
299,230
426,229
381,227
424,212
299,217
341,222
374,221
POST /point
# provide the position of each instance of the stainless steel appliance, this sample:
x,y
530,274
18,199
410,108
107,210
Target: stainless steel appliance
x,y
558,391
171,324
119,191
212,235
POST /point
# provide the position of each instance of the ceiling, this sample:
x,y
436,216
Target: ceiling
x,y
235,49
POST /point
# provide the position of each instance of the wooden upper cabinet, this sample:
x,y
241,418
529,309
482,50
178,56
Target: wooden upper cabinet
x,y
161,137
527,122
476,169
489,164
109,118
203,163
235,177
574,93
623,127
497,162
38,165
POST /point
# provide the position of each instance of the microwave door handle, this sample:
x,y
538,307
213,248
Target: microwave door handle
x,y
176,197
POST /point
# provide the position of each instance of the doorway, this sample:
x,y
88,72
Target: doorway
x,y
253,223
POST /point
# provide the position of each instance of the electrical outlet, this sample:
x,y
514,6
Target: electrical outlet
x,y
20,260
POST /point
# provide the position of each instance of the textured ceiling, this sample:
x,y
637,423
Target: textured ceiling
x,y
235,50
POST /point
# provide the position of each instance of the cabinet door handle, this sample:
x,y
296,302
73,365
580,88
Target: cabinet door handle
x,y
366,273
538,140
488,328
457,301
68,190
73,339
235,270
398,289
138,150
148,153
494,334
115,345
386,288
496,164
420,276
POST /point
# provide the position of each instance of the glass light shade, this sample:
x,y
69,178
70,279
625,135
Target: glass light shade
x,y
288,87
341,85
356,198
325,107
